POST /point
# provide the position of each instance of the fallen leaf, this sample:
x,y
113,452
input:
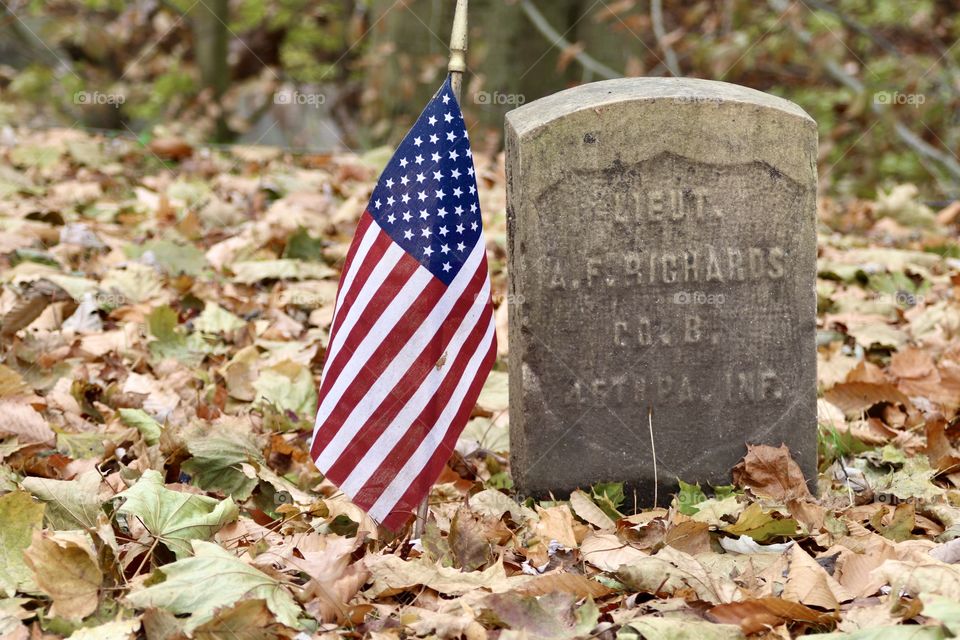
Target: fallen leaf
x,y
550,617
759,614
66,569
676,628
225,580
174,518
71,504
23,421
20,516
556,523
575,584
607,552
915,578
854,398
218,458
670,571
587,510
115,630
772,473
391,573
245,620
799,578
691,537
761,524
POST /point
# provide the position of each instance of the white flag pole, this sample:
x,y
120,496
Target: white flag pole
x,y
458,48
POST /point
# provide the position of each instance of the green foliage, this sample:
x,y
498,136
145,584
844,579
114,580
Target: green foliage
x,y
140,420
218,459
70,504
302,246
609,496
689,496
224,579
174,518
20,516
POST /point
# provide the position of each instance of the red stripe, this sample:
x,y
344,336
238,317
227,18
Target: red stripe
x,y
420,487
365,221
394,403
370,261
383,296
398,337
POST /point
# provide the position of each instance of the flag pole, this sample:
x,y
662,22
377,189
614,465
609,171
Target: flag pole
x,y
458,48
456,67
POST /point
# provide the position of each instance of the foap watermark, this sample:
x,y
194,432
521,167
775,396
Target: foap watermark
x,y
696,100
497,98
509,298
299,98
900,298
307,299
110,299
698,297
99,98
896,97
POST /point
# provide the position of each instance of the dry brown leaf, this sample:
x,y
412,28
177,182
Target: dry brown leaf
x,y
171,148
246,620
772,473
672,572
12,383
23,421
942,454
690,537
572,583
608,552
468,540
810,515
801,579
911,363
866,371
65,567
758,614
948,552
586,509
915,578
855,571
329,601
853,398
556,523
443,624
871,431
392,574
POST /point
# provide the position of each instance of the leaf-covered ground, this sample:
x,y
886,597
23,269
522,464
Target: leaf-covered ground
x,y
163,319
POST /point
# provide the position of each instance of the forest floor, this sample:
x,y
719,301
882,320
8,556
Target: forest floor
x,y
163,319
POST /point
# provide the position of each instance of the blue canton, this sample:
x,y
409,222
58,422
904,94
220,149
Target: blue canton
x,y
426,199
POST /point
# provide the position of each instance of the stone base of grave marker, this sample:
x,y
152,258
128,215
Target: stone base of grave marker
x,y
662,257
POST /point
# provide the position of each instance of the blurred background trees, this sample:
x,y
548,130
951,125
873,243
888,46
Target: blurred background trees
x,y
881,77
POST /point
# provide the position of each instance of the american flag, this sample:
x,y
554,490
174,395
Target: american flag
x,y
412,338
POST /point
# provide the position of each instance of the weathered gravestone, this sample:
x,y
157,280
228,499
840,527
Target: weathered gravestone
x,y
662,258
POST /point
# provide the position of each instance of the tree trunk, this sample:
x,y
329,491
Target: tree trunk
x,y
208,21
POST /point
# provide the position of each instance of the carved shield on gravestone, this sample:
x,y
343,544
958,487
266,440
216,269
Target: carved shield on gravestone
x,y
662,264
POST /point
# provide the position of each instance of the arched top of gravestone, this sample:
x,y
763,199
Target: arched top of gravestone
x,y
680,91
631,120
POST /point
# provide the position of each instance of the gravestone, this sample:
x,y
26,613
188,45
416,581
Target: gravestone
x,y
662,260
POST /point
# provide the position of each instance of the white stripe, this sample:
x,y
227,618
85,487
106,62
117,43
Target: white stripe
x,y
401,362
379,273
428,447
402,301
373,230
393,433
